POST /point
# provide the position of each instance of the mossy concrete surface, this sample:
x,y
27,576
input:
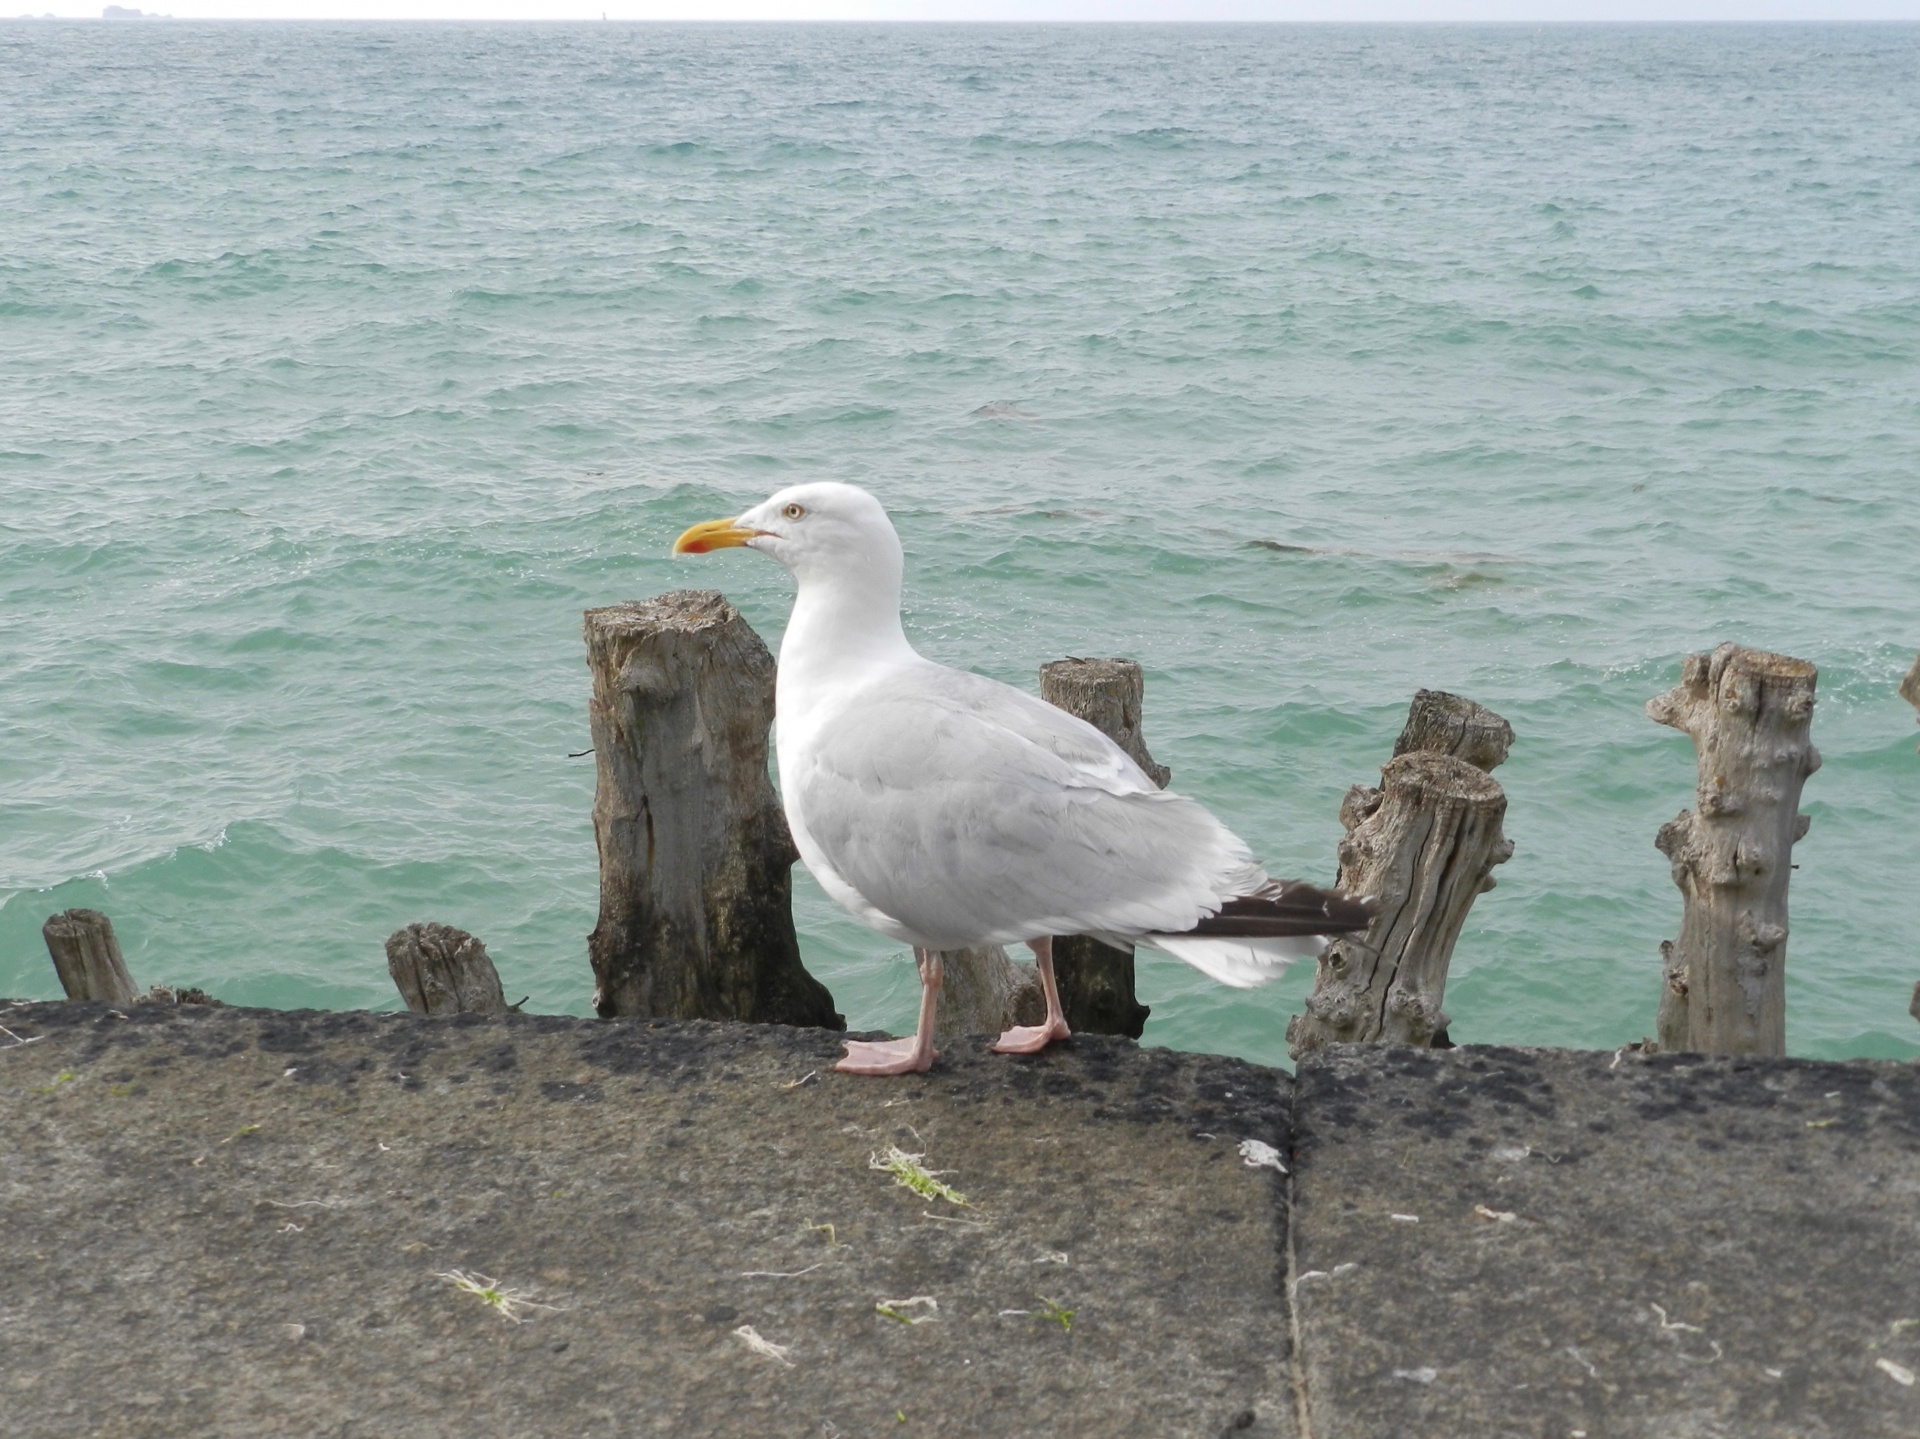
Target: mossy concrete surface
x,y
1553,1243
235,1222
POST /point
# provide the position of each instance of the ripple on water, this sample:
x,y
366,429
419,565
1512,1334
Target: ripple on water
x,y
1418,358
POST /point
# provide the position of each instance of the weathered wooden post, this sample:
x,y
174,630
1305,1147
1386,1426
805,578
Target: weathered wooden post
x,y
1910,692
1910,686
696,914
86,955
1749,714
1424,844
442,970
1109,695
1095,979
985,992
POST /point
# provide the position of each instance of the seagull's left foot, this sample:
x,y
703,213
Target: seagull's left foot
x,y
1030,1038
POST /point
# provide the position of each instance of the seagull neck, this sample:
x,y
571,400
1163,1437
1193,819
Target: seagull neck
x,y
842,625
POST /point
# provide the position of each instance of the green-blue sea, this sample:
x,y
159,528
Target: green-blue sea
x,y
342,367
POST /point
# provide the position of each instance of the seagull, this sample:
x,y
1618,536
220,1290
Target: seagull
x,y
948,810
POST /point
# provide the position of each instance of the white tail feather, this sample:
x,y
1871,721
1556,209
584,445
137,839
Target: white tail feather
x,y
1244,962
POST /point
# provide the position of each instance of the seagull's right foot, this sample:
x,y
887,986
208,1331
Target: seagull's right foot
x,y
887,1056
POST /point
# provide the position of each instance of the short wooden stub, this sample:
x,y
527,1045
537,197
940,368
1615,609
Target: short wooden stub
x,y
696,893
1750,716
1424,844
442,970
1440,723
1096,980
985,992
87,956
1910,686
1109,695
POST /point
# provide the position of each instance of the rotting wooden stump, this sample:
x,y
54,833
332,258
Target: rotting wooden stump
x,y
1424,844
1750,716
1910,686
1109,695
983,991
87,957
442,970
1442,723
696,892
1097,980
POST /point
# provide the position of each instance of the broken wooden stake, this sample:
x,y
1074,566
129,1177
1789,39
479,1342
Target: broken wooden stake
x,y
442,970
1910,686
1750,716
696,916
986,991
1424,844
1096,980
86,956
983,991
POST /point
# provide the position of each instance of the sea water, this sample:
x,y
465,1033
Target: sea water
x,y
343,366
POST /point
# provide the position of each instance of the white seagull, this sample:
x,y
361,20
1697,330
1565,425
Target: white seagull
x,y
949,810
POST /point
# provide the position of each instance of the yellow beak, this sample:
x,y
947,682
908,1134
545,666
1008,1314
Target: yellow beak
x,y
712,535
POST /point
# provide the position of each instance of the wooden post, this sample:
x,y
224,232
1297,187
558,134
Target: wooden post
x,y
1749,714
1424,844
696,916
985,992
87,956
1910,692
1095,979
1910,686
1440,723
442,970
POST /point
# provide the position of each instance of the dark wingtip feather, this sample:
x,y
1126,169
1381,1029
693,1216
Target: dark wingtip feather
x,y
1290,907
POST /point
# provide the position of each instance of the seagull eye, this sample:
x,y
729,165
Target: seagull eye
x,y
794,512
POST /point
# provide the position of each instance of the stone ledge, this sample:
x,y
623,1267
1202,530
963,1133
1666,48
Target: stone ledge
x,y
234,1222
230,1222
1669,1247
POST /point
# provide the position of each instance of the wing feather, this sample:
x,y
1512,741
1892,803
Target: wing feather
x,y
972,813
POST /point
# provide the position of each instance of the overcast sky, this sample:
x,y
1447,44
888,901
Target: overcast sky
x,y
1506,10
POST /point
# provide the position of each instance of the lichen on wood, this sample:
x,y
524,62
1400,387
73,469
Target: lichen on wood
x,y
1424,844
695,886
1750,715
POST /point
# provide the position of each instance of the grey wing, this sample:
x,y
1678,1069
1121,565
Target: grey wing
x,y
972,814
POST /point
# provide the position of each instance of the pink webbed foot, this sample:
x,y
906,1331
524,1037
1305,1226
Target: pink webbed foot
x,y
888,1056
1030,1038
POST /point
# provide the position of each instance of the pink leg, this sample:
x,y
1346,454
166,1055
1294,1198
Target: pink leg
x,y
902,1056
1032,1038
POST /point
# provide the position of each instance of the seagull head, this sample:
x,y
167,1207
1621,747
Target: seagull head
x,y
820,529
